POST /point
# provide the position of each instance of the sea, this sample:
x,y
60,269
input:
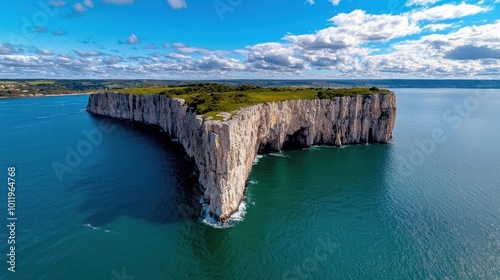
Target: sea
x,y
108,199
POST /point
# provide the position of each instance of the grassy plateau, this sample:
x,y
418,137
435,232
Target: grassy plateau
x,y
211,99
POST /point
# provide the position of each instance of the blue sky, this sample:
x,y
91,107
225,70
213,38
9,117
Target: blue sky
x,y
173,39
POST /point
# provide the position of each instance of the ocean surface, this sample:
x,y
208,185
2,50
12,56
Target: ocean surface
x,y
106,199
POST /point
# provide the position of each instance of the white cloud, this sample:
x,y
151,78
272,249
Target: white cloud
x,y
183,48
438,26
44,52
216,63
469,52
447,11
274,57
420,2
177,56
88,3
57,3
8,49
355,28
374,27
132,39
334,2
87,53
111,60
79,7
119,2
177,4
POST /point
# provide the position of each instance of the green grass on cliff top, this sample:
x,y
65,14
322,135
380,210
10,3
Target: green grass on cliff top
x,y
212,99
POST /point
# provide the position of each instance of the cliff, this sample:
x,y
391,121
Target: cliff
x,y
224,151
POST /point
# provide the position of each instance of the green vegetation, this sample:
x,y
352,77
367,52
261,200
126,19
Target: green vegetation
x,y
331,93
40,82
146,89
211,99
14,88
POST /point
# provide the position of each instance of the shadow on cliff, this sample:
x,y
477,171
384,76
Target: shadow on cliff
x,y
147,178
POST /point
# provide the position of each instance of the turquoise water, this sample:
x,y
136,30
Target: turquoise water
x,y
425,206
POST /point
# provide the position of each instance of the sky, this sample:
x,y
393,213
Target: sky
x,y
243,39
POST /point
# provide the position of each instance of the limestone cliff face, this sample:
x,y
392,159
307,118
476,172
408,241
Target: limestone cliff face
x,y
224,151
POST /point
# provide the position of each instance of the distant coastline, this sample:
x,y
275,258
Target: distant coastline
x,y
44,95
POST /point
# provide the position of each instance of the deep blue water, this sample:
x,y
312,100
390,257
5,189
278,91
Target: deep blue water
x,y
426,206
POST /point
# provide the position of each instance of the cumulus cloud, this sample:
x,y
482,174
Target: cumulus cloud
x,y
57,3
438,26
334,2
87,53
447,11
88,3
119,2
177,4
9,49
449,55
110,60
368,27
273,56
185,49
215,63
471,52
132,39
178,56
353,29
420,2
79,7
44,52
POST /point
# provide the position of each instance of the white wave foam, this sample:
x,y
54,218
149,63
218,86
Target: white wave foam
x,y
257,158
280,154
236,217
98,228
51,116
